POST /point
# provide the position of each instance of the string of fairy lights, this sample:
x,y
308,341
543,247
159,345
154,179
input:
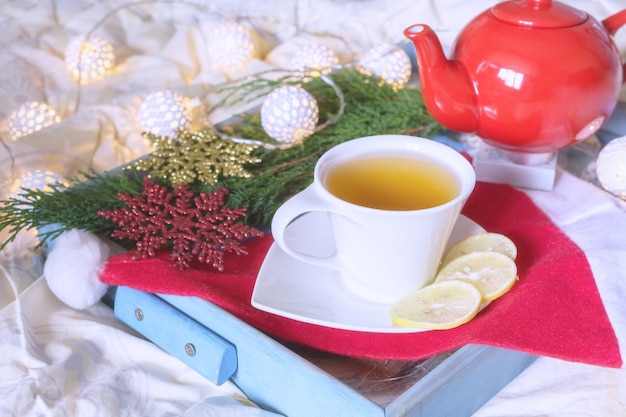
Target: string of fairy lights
x,y
288,114
165,112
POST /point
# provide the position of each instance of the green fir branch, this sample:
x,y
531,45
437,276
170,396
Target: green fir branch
x,y
61,209
370,110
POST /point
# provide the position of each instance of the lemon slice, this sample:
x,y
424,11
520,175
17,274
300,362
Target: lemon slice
x,y
481,242
491,272
442,305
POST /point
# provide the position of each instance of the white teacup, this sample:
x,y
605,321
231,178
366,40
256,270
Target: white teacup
x,y
389,238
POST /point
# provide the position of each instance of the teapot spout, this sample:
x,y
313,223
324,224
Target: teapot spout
x,y
612,24
447,89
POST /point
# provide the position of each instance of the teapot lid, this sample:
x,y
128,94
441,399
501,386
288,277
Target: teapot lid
x,y
538,13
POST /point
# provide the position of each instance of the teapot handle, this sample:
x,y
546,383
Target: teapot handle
x,y
612,24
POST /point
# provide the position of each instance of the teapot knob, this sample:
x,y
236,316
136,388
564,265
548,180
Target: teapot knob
x,y
538,14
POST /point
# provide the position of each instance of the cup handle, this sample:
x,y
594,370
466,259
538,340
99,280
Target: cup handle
x,y
306,201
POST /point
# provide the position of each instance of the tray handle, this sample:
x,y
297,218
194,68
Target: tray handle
x,y
177,334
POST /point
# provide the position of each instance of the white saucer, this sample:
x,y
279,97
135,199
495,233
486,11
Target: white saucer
x,y
311,294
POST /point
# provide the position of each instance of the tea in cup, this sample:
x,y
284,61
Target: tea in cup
x,y
392,202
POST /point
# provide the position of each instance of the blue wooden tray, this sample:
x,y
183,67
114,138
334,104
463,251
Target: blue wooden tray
x,y
297,382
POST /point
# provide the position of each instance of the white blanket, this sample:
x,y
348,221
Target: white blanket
x,y
58,361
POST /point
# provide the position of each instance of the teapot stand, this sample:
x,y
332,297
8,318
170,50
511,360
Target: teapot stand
x,y
530,171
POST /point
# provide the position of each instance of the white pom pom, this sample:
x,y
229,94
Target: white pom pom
x,y
72,266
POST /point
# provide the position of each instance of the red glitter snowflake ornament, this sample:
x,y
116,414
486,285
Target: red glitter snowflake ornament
x,y
190,225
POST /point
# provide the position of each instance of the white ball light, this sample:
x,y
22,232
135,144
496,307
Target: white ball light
x,y
289,114
389,63
164,113
231,47
314,60
40,179
29,118
89,59
611,167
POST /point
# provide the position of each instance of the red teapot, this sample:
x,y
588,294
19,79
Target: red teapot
x,y
530,76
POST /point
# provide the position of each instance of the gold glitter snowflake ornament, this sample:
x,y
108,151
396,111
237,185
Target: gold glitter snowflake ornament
x,y
198,156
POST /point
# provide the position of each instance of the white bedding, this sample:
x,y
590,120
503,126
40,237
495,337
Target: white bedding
x,y
58,361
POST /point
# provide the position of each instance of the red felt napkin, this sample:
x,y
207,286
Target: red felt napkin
x,y
554,310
